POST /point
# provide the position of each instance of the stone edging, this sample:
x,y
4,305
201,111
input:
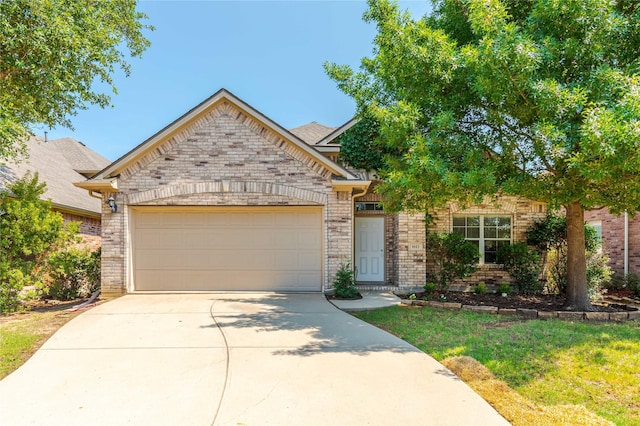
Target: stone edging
x,y
530,313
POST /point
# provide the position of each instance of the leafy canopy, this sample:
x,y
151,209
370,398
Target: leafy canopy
x,y
52,54
534,98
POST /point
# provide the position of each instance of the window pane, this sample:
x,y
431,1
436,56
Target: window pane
x,y
473,232
458,221
489,256
459,230
490,232
473,221
490,221
504,221
504,233
490,245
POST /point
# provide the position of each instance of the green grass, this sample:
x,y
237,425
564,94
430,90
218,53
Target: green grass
x,y
23,333
551,362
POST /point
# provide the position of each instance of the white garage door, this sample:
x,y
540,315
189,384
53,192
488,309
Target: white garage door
x,y
253,248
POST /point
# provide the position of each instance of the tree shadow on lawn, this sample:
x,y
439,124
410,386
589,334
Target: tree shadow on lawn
x,y
283,321
515,350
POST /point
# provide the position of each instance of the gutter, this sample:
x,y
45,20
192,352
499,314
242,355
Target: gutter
x,y
626,244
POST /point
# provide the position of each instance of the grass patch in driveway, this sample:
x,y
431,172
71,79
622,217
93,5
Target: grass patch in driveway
x,y
22,334
549,362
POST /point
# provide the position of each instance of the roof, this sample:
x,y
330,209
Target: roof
x,y
58,163
198,111
312,132
81,158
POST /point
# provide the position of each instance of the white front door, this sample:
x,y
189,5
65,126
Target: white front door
x,y
369,262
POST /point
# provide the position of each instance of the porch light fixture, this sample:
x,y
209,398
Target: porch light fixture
x,y
112,204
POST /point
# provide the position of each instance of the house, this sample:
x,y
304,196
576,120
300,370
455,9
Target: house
x,y
620,238
59,164
224,198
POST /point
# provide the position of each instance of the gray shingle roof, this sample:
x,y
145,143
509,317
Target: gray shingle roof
x,y
57,163
312,132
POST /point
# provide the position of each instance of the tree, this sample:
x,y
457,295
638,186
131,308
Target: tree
x,y
51,55
538,98
29,231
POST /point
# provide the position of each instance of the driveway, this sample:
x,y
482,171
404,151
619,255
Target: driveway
x,y
233,359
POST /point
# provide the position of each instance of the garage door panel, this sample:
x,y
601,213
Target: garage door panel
x,y
245,249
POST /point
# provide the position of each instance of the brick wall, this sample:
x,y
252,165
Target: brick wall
x,y
523,213
225,158
88,225
613,238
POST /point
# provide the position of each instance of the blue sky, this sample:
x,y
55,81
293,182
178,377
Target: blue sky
x,y
268,53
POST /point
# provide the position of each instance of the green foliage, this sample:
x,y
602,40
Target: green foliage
x,y
620,282
52,54
523,264
359,146
344,285
504,288
29,231
549,236
454,257
480,288
430,287
73,272
532,98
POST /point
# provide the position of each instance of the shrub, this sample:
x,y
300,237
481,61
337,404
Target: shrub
x,y
73,273
480,288
523,264
504,288
454,257
549,236
29,231
430,287
633,283
345,283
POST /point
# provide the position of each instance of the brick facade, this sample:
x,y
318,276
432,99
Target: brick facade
x,y
88,225
224,158
613,239
523,213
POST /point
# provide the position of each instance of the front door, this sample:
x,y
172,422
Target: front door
x,y
369,262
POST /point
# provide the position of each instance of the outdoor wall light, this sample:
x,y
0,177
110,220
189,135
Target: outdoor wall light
x,y
112,204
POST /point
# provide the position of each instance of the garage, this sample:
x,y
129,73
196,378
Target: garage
x,y
227,248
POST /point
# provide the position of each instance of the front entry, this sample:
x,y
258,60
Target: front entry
x,y
369,259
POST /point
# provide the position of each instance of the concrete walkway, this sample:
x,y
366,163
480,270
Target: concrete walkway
x,y
370,300
230,359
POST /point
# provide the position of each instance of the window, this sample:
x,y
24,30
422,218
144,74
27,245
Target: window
x,y
369,207
489,233
597,225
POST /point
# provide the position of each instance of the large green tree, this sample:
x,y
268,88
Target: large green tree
x,y
52,54
538,98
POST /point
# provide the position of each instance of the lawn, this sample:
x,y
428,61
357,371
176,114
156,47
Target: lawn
x,y
23,333
550,363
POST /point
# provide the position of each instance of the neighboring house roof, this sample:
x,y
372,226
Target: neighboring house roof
x,y
102,179
59,164
312,132
331,137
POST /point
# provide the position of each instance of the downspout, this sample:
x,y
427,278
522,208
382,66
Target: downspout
x,y
626,244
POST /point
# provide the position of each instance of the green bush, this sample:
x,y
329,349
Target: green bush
x,y
454,257
345,284
523,264
29,231
633,283
549,236
73,273
480,288
504,288
430,287
621,282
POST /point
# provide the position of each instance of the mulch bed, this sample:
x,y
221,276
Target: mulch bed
x,y
539,302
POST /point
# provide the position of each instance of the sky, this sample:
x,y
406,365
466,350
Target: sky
x,y
268,53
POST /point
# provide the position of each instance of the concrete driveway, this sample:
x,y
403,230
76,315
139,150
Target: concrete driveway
x,y
233,359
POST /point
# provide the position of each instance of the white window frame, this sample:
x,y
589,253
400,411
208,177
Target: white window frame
x,y
481,238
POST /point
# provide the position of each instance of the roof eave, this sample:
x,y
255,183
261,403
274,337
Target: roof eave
x,y
99,185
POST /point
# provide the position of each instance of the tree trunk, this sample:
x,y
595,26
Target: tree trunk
x,y
577,294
